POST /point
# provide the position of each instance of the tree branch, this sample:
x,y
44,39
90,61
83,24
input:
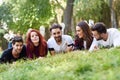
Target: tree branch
x,y
60,5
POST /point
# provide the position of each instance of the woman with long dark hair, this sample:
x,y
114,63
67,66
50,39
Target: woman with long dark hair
x,y
84,39
36,45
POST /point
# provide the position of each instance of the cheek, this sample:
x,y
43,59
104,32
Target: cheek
x,y
31,38
81,34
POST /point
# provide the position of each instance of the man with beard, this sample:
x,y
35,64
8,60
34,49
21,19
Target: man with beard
x,y
17,51
106,37
59,43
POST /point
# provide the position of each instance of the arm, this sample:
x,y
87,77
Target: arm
x,y
69,48
70,44
94,45
4,58
52,51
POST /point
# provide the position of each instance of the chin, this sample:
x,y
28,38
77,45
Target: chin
x,y
80,36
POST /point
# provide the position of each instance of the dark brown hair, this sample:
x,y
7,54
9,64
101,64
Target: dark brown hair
x,y
54,26
99,27
87,33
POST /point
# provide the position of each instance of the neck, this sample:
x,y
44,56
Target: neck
x,y
59,42
36,44
15,54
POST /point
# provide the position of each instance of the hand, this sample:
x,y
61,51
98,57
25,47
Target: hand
x,y
96,47
69,48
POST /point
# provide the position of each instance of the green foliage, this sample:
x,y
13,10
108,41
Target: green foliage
x,y
29,14
117,7
5,13
78,65
88,9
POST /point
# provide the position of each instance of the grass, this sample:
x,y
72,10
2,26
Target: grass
x,y
78,65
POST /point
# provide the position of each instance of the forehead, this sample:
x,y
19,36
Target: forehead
x,y
95,32
18,43
33,33
78,28
55,30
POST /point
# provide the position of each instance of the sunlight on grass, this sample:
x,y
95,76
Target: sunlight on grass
x,y
78,65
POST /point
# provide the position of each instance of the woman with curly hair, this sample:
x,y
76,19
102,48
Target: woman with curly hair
x,y
35,44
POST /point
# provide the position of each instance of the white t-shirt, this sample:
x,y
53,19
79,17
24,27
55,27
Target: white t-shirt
x,y
94,45
113,39
66,40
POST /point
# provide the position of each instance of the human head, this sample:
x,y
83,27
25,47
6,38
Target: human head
x,y
84,33
83,30
17,44
35,40
98,30
56,32
34,37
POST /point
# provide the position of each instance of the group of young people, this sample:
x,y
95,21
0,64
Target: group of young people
x,y
86,38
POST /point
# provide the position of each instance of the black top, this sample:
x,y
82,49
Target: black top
x,y
8,57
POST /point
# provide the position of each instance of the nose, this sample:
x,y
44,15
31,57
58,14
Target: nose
x,y
19,47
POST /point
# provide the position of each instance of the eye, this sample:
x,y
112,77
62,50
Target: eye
x,y
58,32
54,33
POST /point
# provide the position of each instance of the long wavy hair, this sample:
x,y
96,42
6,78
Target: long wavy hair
x,y
87,33
42,47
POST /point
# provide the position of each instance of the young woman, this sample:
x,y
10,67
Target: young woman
x,y
84,39
35,44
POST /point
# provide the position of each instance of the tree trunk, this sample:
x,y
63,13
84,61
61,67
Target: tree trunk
x,y
67,17
113,15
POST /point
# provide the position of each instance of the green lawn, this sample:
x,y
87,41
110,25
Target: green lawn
x,y
79,65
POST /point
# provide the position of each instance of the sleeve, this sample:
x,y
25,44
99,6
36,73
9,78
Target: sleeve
x,y
116,39
70,41
4,57
116,42
94,45
50,45
76,44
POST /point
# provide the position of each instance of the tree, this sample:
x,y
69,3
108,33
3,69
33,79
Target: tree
x,y
116,8
67,13
29,14
113,14
67,17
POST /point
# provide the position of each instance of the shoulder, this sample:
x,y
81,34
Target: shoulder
x,y
24,48
6,52
51,39
112,30
67,37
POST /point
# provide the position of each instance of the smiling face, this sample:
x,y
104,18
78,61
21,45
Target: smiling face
x,y
34,38
79,32
97,35
57,34
17,47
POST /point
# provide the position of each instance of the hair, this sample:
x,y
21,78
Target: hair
x,y
54,26
87,33
17,39
99,27
42,47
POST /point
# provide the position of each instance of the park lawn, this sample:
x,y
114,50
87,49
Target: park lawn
x,y
78,65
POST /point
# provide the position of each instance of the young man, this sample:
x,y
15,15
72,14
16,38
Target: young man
x,y
106,37
17,51
59,43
